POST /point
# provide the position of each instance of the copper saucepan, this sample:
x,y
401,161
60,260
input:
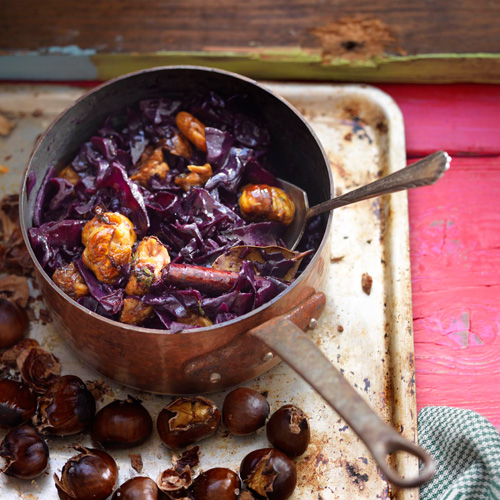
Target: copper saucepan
x,y
221,356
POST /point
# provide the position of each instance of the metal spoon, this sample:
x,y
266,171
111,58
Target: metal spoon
x,y
424,172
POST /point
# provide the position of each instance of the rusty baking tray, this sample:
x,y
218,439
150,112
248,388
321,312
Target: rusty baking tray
x,y
368,336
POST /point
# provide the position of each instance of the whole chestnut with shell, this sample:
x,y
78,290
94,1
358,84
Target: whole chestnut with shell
x,y
288,430
25,454
122,424
244,411
17,403
216,484
269,473
186,421
14,321
67,407
91,474
137,488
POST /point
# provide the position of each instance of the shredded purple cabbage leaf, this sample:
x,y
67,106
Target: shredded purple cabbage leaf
x,y
196,226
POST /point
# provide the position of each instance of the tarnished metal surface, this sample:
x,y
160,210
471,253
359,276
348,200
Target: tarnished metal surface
x,y
368,337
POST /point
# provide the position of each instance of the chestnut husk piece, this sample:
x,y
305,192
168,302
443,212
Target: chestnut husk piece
x,y
25,453
38,367
186,421
91,474
244,411
137,488
269,473
189,458
175,483
14,321
17,403
9,357
216,484
67,407
288,430
122,424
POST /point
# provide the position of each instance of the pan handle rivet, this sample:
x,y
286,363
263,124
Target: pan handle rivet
x,y
267,357
215,377
313,324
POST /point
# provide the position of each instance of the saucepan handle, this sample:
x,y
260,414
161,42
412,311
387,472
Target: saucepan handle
x,y
290,343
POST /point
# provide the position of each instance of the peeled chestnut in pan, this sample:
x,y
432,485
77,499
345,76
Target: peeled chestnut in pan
x,y
25,454
269,473
89,475
244,411
17,403
122,424
14,321
137,488
216,484
288,430
187,420
67,407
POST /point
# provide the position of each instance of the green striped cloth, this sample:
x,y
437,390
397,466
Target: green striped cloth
x,y
466,448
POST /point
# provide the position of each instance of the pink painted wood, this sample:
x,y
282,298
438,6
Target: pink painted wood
x,y
455,245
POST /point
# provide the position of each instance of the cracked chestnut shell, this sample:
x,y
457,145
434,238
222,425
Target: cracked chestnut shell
x,y
67,407
288,430
122,424
14,321
175,483
269,473
38,367
17,403
25,453
89,475
244,411
216,484
187,420
137,488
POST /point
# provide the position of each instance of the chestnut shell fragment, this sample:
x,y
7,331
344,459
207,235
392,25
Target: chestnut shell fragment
x,y
38,367
175,483
122,424
288,430
137,488
91,474
216,484
244,411
14,321
17,403
25,453
269,473
9,357
187,420
67,407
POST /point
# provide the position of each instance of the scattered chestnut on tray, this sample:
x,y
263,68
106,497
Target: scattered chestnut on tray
x,y
67,407
25,454
216,484
244,411
187,420
14,321
269,473
91,474
288,430
17,403
122,424
137,488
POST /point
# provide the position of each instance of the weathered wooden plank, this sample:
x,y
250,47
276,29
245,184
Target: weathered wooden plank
x,y
455,256
447,26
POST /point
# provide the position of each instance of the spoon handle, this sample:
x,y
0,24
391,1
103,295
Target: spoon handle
x,y
424,172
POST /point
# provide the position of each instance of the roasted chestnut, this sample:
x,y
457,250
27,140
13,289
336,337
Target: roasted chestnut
x,y
216,484
67,407
187,420
91,474
288,430
269,473
24,452
175,483
17,403
9,357
137,488
122,424
244,411
14,321
38,367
